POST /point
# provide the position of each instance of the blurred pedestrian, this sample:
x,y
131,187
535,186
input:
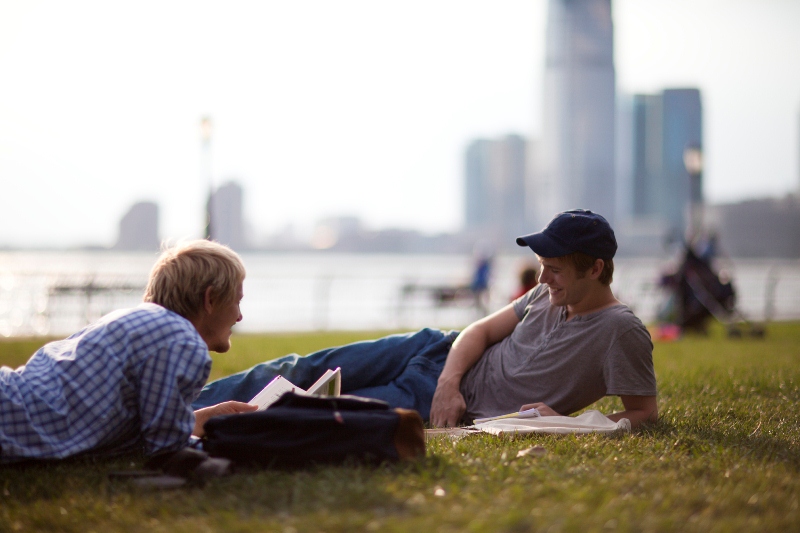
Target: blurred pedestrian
x,y
528,279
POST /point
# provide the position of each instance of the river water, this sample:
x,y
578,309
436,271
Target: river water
x,y
56,292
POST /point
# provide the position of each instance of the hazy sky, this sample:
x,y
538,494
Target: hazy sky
x,y
343,107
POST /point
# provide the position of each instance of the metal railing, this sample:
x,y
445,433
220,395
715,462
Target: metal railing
x,y
34,304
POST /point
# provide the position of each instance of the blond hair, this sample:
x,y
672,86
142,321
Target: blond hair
x,y
183,273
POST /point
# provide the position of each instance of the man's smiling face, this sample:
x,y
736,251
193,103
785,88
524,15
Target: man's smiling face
x,y
565,285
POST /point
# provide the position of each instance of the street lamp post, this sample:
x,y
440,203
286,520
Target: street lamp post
x,y
693,161
206,128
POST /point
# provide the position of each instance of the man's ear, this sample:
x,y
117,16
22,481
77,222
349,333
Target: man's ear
x,y
597,268
208,300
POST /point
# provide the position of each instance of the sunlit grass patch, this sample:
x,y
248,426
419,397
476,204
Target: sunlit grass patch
x,y
724,456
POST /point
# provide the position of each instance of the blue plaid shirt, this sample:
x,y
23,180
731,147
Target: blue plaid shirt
x,y
123,383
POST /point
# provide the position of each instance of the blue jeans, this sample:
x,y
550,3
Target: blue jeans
x,y
399,369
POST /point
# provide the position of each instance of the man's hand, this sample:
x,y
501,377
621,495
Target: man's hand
x,y
201,416
544,410
447,406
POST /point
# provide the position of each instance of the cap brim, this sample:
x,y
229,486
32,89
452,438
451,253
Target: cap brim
x,y
543,246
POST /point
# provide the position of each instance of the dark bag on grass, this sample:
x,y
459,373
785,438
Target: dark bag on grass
x,y
300,430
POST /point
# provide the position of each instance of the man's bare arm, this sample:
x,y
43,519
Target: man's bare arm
x,y
448,404
638,409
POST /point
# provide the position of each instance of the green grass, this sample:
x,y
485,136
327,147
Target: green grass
x,y
725,456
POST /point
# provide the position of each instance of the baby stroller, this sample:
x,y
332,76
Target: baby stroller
x,y
699,294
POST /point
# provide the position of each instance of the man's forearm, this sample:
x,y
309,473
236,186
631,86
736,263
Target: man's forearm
x,y
636,416
473,341
448,405
465,352
638,409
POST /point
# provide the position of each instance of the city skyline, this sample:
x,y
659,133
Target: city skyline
x,y
353,109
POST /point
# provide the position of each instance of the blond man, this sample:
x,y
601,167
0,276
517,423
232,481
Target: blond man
x,y
127,381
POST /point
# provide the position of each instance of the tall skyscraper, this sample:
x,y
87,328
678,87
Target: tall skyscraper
x,y
575,165
495,188
227,219
138,228
664,126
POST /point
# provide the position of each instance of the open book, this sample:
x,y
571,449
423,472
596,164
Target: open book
x,y
330,384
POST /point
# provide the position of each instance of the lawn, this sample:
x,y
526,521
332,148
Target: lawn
x,y
725,456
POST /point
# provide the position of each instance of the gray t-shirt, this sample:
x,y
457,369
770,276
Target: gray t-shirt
x,y
568,365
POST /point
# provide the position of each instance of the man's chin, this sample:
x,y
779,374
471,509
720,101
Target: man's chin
x,y
222,347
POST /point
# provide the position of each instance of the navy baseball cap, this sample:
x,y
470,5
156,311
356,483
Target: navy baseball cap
x,y
577,230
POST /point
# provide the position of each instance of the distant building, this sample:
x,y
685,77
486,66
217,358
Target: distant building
x,y
655,188
227,217
664,126
768,227
138,229
477,213
494,203
575,163
347,234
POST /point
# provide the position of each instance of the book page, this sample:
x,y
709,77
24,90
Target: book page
x,y
274,390
330,384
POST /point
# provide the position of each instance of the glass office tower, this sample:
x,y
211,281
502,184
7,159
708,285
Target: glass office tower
x,y
575,162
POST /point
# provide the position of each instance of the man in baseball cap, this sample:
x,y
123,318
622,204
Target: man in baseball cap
x,y
580,241
566,343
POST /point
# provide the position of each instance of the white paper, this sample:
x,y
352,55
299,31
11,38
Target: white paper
x,y
329,384
274,390
589,422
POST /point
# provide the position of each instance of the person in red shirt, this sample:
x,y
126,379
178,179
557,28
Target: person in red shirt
x,y
528,279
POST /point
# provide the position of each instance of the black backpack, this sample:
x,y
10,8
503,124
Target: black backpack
x,y
299,430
